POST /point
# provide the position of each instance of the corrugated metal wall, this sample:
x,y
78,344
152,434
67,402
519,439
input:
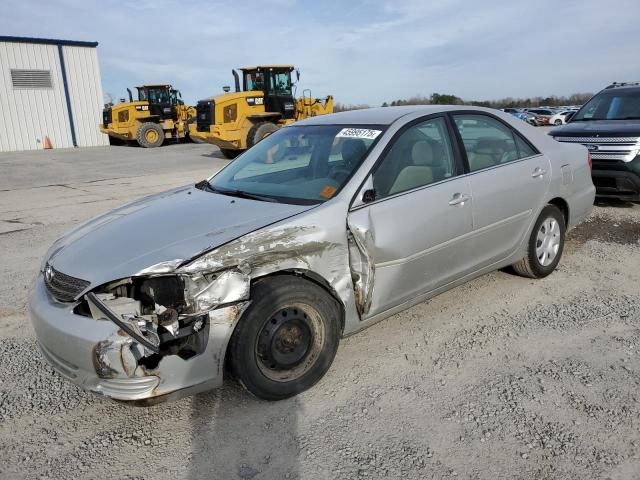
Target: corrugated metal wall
x,y
85,92
28,115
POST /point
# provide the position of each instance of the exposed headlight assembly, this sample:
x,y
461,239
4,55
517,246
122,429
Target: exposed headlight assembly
x,y
164,312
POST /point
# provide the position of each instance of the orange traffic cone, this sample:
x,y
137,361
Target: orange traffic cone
x,y
47,143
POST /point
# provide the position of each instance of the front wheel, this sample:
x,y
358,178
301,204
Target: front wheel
x,y
287,339
558,122
150,135
545,245
259,131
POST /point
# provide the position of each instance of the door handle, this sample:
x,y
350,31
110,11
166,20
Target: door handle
x,y
538,172
459,199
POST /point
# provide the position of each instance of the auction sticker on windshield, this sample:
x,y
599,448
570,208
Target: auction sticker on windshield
x,y
358,133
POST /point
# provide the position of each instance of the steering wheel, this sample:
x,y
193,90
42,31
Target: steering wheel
x,y
339,174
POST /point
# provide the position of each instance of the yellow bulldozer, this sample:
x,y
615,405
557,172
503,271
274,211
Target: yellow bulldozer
x,y
235,121
158,114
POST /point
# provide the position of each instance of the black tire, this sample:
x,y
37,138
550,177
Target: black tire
x,y
258,131
558,122
531,265
187,133
150,135
116,141
255,352
230,153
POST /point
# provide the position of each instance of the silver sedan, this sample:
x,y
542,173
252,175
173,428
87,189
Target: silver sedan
x,y
322,229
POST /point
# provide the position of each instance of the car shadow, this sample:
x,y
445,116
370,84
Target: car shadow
x,y
236,435
613,202
214,154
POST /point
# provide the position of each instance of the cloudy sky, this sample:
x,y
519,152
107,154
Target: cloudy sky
x,y
361,51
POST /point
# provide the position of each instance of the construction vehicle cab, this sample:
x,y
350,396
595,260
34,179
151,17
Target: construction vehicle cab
x,y
158,114
263,101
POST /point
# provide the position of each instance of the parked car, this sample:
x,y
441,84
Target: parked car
x,y
544,114
560,118
609,126
512,111
530,118
260,269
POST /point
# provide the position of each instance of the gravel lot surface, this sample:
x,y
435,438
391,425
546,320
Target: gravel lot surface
x,y
503,377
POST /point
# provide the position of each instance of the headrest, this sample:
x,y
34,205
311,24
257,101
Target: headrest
x,y
422,153
352,150
490,145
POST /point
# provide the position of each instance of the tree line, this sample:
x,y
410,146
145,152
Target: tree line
x,y
448,99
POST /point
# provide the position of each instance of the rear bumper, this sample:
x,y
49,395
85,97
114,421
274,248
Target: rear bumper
x,y
97,356
617,179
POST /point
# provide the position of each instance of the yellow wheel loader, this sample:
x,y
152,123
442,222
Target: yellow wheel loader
x,y
235,121
158,114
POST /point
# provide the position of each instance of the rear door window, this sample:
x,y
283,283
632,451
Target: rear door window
x,y
488,142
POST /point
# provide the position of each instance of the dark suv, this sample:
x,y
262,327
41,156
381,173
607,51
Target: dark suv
x,y
609,126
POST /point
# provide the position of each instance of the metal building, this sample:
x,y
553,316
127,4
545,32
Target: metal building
x,y
49,88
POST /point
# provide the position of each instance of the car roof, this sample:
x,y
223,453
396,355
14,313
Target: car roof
x,y
383,115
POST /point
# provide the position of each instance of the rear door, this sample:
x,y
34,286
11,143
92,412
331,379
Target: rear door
x,y
415,227
509,179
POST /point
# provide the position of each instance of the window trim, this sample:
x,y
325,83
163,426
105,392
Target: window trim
x,y
458,165
514,131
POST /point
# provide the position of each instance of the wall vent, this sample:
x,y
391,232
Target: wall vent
x,y
31,78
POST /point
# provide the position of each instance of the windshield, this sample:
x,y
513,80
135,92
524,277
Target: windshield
x,y
614,104
155,95
299,164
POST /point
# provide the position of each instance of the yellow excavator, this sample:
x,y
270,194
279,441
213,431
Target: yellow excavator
x,y
235,121
158,114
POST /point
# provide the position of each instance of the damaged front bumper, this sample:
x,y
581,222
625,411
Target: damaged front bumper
x,y
100,356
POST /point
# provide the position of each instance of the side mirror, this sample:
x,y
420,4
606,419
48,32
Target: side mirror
x,y
226,89
368,195
297,75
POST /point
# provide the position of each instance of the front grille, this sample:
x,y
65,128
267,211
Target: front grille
x,y
107,116
205,115
623,149
595,140
61,286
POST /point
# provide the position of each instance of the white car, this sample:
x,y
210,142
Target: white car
x,y
560,118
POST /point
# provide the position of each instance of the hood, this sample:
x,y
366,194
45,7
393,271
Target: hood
x,y
175,225
603,128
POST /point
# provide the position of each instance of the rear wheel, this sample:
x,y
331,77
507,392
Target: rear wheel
x,y
258,131
150,135
286,340
545,245
230,153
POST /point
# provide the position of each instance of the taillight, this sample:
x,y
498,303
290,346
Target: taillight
x,y
589,160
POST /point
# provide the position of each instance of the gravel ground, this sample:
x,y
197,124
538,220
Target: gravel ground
x,y
503,377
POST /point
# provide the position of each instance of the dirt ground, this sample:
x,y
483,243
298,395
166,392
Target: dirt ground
x,y
503,377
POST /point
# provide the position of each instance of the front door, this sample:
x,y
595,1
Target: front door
x,y
416,226
278,96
